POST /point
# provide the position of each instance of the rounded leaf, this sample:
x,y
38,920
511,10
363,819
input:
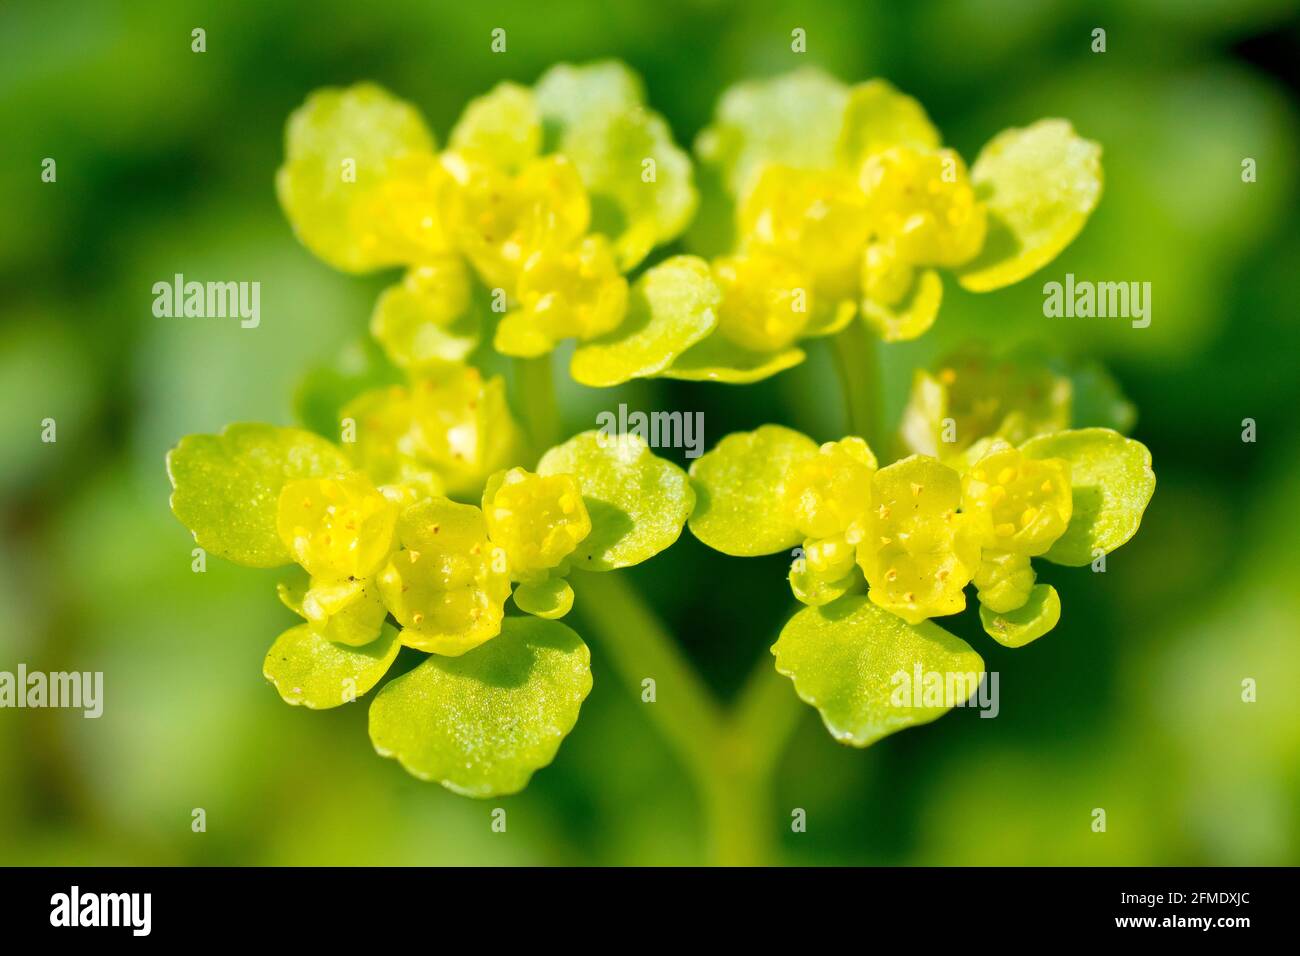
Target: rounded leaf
x,y
718,359
877,117
1111,482
792,120
309,670
911,318
502,127
670,308
550,599
226,487
859,666
1039,184
343,148
740,489
639,178
1026,623
567,94
637,501
481,724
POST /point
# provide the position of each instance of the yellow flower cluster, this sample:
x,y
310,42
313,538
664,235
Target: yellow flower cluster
x,y
442,569
512,196
920,531
846,203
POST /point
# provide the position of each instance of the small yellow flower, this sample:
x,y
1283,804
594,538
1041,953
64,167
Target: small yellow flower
x,y
564,293
498,221
336,528
923,202
1016,503
447,430
830,493
537,519
816,220
448,584
766,301
919,553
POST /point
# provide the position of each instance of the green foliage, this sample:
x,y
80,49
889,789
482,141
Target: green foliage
x,y
1112,483
638,502
481,724
226,487
849,658
640,181
671,307
309,670
793,120
738,483
1040,183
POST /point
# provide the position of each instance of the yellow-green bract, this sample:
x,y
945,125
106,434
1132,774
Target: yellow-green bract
x,y
850,660
1112,483
638,502
226,487
481,724
739,484
309,670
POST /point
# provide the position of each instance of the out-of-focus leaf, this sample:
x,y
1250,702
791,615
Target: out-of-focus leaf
x,y
502,127
639,179
876,117
1040,185
793,120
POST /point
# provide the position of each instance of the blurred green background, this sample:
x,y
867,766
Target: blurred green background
x,y
165,163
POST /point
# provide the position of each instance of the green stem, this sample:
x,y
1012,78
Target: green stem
x,y
535,394
857,359
730,758
766,714
741,803
640,648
